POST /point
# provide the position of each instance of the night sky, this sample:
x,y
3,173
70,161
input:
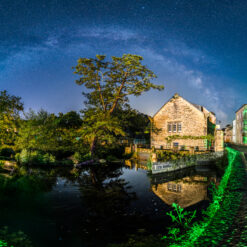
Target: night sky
x,y
197,49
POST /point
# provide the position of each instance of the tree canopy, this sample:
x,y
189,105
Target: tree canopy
x,y
10,108
108,86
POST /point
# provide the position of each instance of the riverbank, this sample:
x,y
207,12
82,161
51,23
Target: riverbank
x,y
201,159
217,227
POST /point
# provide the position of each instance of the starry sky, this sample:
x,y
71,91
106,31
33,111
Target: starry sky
x,y
197,48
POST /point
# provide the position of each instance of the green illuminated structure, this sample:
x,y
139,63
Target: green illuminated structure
x,y
245,125
241,125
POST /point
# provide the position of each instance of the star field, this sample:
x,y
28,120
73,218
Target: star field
x,y
196,48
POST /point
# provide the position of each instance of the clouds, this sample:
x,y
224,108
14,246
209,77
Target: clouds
x,y
191,82
180,66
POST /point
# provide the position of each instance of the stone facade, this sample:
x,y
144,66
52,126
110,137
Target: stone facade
x,y
234,131
228,133
180,117
241,116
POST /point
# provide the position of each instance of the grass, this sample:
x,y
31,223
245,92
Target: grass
x,y
221,213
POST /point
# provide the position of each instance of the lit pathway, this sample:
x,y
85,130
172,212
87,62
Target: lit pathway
x,y
239,228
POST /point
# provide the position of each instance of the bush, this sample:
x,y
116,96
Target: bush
x,y
80,157
17,239
167,155
34,157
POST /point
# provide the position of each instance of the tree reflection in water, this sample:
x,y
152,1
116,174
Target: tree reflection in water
x,y
107,198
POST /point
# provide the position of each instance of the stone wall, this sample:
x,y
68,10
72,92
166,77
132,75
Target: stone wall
x,y
193,122
219,141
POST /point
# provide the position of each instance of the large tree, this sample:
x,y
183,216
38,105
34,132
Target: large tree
x,y
108,87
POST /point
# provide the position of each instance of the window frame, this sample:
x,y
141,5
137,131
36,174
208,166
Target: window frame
x,y
174,125
169,127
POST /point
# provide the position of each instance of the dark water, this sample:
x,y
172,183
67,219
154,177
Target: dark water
x,y
98,205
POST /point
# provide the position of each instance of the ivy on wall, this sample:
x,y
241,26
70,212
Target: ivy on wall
x,y
209,137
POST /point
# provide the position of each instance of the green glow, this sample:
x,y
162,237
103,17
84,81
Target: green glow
x,y
3,244
245,126
221,213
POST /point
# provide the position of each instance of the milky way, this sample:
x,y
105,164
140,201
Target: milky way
x,y
196,48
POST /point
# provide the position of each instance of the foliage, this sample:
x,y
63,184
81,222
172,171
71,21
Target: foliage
x,y
14,239
3,244
133,123
221,212
209,137
10,107
181,217
34,157
149,164
49,133
182,220
80,157
109,85
167,155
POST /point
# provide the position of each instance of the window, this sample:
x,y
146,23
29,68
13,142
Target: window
x,y
169,127
169,186
174,187
175,144
174,127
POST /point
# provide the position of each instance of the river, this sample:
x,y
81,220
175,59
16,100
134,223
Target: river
x,y
98,205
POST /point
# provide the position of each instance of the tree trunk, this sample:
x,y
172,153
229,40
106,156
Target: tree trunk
x,y
93,147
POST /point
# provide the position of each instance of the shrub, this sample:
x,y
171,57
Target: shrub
x,y
80,157
19,238
34,157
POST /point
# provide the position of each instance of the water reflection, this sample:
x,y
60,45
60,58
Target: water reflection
x,y
96,205
186,187
136,164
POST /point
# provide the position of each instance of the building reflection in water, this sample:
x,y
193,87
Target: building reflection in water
x,y
185,192
136,164
185,187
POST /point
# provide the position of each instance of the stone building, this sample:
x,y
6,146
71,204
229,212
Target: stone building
x,y
241,125
228,133
179,117
234,131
